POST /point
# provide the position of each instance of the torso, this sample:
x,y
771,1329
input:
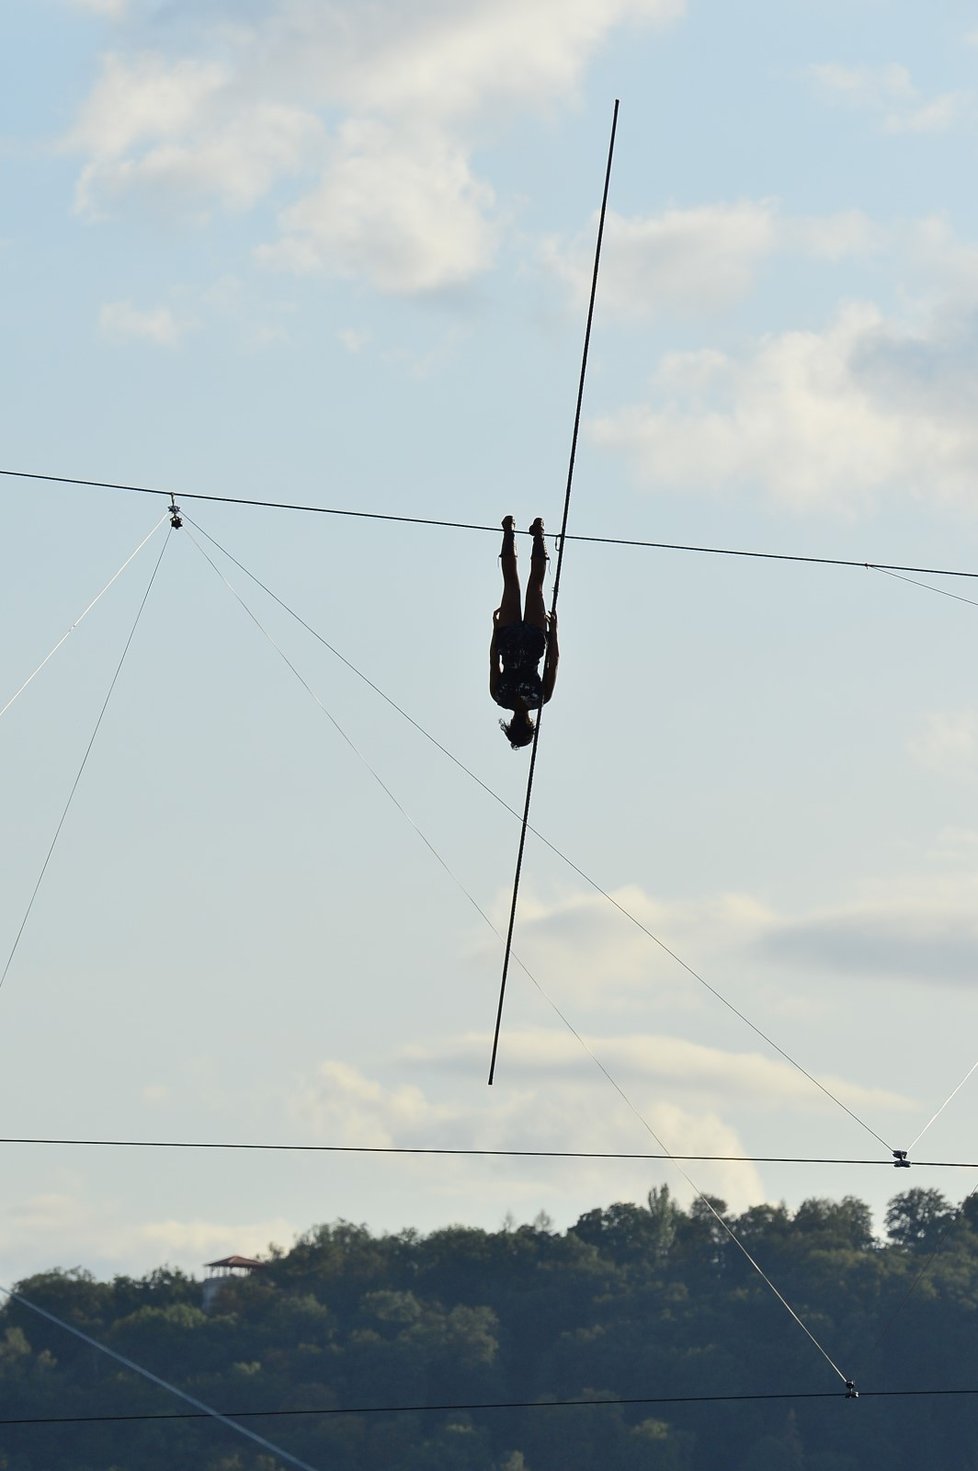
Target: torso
x,y
521,647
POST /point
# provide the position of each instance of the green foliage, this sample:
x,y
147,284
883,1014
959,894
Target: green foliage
x,y
634,1303
919,1218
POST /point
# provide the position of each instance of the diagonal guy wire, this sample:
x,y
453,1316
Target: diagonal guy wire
x,y
593,883
155,1379
549,1000
82,615
84,763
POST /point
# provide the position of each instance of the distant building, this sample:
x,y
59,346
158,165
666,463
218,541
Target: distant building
x,y
221,1272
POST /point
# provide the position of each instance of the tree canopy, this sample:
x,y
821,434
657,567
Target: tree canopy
x,y
633,1303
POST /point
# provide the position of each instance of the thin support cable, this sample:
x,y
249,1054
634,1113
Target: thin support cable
x,y
934,1117
959,599
549,1000
725,1002
898,575
387,790
81,617
556,590
340,731
626,913
674,1160
616,541
84,763
182,1394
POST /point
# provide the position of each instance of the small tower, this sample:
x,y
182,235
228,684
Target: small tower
x,y
219,1273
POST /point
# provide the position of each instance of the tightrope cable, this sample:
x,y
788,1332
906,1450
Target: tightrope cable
x,y
616,541
472,1153
84,763
605,1402
81,617
553,606
190,1399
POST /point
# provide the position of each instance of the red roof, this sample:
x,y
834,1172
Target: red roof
x,y
236,1261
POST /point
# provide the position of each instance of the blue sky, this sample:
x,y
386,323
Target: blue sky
x,y
332,254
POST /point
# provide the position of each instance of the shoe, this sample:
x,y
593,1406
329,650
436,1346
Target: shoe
x,y
509,523
537,528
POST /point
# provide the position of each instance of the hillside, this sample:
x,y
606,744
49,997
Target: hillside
x,y
632,1303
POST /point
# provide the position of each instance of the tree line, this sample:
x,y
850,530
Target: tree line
x,y
634,1302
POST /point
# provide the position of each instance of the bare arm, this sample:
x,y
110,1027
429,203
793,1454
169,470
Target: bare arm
x,y
552,659
494,665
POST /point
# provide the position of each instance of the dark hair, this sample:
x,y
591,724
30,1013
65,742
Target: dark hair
x,y
519,731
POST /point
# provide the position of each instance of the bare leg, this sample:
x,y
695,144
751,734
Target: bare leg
x,y
509,608
536,611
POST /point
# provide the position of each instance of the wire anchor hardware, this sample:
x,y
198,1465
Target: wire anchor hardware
x,y
900,1161
851,1391
176,520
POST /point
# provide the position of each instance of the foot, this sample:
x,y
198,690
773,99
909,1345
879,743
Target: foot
x,y
537,528
508,523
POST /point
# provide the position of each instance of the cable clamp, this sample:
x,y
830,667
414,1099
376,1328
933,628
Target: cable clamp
x,y
900,1161
176,520
851,1391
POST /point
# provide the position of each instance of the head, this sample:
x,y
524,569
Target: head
x,y
519,731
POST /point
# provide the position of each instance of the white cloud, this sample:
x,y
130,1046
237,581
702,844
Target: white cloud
x,y
543,1083
833,237
177,134
698,260
403,210
113,9
33,1233
196,1240
865,86
945,263
120,321
406,90
955,846
353,339
919,927
936,116
888,93
922,930
434,62
814,419
253,322
607,957
143,97
947,742
653,1064
340,1103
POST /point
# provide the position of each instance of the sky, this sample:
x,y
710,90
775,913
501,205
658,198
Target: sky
x,y
338,255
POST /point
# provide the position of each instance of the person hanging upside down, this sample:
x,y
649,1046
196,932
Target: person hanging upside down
x,y
520,637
